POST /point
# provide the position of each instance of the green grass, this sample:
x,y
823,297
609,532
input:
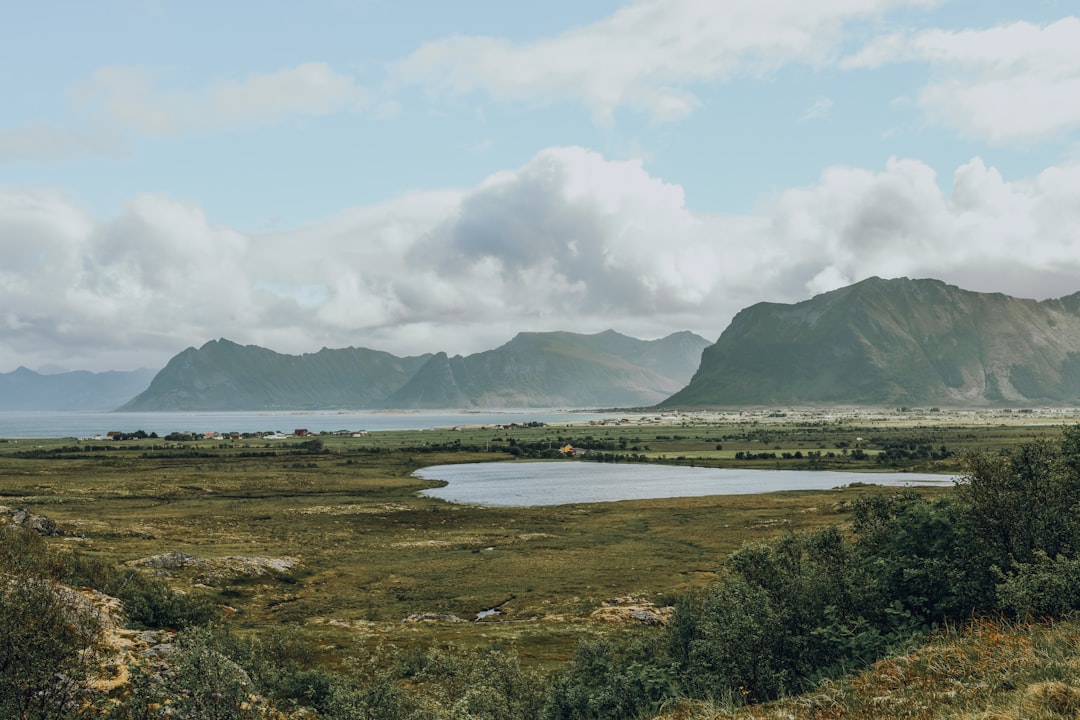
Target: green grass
x,y
373,551
986,670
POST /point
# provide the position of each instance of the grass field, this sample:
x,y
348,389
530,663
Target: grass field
x,y
371,552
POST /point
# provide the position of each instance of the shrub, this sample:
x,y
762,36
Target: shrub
x,y
605,680
48,637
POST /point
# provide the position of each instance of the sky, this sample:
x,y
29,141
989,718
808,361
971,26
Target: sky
x,y
415,176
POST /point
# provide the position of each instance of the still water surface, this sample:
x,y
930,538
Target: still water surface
x,y
559,483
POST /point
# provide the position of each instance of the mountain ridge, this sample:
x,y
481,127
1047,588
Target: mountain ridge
x,y
556,369
532,370
898,341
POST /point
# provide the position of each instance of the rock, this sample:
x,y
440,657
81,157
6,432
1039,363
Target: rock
x,y
647,617
161,651
21,517
219,568
632,610
432,617
170,561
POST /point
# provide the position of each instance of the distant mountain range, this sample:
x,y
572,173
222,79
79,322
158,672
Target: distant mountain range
x,y
558,369
877,342
887,342
24,389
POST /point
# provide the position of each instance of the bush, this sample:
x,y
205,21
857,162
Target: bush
x,y
203,683
48,637
605,680
1046,587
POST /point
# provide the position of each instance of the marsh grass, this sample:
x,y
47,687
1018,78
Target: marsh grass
x,y
373,552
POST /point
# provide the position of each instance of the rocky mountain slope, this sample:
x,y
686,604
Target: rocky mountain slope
x,y
890,342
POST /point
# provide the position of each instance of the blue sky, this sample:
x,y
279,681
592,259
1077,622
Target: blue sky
x,y
421,176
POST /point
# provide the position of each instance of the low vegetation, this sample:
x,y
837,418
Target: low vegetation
x,y
282,575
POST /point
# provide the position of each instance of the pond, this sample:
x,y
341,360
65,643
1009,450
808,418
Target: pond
x,y
560,483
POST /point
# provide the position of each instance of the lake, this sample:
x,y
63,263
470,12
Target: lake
x,y
51,424
559,483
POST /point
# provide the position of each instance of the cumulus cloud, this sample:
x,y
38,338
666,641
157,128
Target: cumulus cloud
x,y
570,241
1015,82
134,98
644,57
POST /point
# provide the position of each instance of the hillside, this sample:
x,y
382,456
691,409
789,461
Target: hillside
x,y
556,369
24,389
222,375
532,370
986,668
886,342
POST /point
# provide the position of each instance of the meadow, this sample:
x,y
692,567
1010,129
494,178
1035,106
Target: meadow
x,y
328,537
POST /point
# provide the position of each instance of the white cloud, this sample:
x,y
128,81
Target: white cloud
x,y
1015,82
819,110
132,97
570,241
645,56
47,143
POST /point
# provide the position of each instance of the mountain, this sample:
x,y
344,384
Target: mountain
x,y
24,389
556,369
222,375
886,342
532,370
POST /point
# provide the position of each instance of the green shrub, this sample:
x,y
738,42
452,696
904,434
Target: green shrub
x,y
1046,587
605,680
48,647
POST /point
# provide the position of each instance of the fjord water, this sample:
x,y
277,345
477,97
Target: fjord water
x,y
49,424
565,482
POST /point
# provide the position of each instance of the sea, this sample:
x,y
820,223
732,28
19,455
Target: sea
x,y
78,425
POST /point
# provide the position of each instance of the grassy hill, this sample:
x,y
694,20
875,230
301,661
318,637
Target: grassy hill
x,y
901,341
556,369
986,669
222,375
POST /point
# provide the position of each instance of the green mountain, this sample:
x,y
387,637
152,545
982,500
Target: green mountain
x,y
222,375
887,342
24,389
556,369
532,370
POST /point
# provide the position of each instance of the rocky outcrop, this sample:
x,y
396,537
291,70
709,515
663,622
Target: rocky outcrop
x,y
21,517
215,570
632,611
432,617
